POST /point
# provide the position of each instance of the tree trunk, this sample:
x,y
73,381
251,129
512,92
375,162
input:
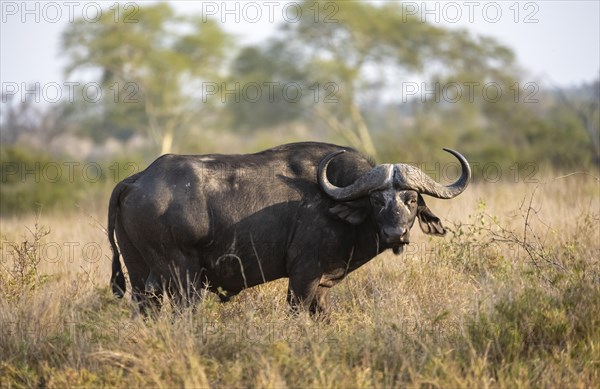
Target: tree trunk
x,y
167,142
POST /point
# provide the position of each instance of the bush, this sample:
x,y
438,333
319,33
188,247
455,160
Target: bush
x,y
22,275
34,181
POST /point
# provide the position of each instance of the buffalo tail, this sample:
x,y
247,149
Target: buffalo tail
x,y
117,279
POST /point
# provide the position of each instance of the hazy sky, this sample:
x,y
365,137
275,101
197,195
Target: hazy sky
x,y
558,41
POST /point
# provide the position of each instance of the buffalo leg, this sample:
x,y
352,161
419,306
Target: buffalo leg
x,y
139,274
301,294
153,292
186,282
320,304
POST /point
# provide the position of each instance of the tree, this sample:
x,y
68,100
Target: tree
x,y
357,51
269,79
25,118
153,64
585,105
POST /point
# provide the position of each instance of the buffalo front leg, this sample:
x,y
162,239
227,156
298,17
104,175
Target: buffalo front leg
x,y
302,294
320,304
304,266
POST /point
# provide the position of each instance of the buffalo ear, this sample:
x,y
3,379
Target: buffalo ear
x,y
352,212
429,223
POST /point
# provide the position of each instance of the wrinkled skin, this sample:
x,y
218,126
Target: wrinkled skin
x,y
230,222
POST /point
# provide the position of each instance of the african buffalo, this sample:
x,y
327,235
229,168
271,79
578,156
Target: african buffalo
x,y
312,212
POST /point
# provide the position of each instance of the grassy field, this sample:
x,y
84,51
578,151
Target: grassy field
x,y
509,298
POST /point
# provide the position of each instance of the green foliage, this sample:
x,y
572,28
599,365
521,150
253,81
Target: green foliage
x,y
25,188
507,133
536,324
36,181
268,81
471,246
552,317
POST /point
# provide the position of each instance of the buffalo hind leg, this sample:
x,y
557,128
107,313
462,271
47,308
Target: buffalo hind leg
x,y
153,294
140,276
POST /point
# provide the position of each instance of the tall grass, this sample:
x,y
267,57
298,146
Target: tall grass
x,y
511,297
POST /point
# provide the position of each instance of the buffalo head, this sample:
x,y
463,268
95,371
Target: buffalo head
x,y
392,194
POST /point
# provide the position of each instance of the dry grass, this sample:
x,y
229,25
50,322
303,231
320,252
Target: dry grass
x,y
481,308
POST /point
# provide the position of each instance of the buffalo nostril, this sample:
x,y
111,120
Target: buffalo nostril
x,y
390,232
404,235
395,233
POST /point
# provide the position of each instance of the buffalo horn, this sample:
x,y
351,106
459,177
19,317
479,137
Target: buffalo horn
x,y
410,177
379,177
